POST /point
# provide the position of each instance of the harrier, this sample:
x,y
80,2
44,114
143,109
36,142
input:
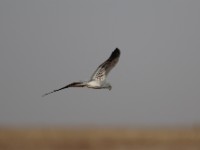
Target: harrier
x,y
98,79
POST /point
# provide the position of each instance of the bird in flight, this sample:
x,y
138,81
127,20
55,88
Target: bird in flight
x,y
98,78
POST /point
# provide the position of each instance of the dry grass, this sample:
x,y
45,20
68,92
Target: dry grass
x,y
99,139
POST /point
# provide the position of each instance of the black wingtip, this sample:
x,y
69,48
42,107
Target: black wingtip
x,y
115,53
117,49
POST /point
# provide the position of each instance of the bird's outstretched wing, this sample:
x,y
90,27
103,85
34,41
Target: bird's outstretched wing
x,y
74,84
103,70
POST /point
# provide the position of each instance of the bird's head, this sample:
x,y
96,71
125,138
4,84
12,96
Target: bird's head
x,y
108,86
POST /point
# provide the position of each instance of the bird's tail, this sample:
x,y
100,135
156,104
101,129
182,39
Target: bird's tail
x,y
74,84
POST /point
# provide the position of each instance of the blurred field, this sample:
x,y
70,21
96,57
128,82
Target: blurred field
x,y
99,139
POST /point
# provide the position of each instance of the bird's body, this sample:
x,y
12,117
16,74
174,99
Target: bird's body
x,y
93,84
98,79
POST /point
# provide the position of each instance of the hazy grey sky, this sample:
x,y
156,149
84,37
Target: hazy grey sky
x,y
46,44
